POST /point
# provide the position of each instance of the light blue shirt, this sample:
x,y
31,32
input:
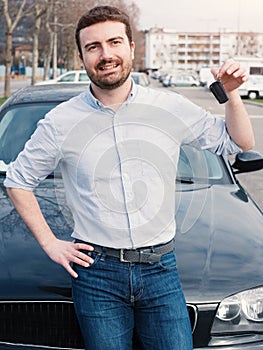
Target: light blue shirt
x,y
119,168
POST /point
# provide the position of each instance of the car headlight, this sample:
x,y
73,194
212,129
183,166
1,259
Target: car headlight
x,y
249,303
229,309
239,319
241,313
252,304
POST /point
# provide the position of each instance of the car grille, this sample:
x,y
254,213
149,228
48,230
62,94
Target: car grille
x,y
52,324
192,311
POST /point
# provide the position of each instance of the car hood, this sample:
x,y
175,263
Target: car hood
x,y
27,273
219,246
219,242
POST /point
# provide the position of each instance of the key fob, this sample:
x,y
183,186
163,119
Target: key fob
x,y
218,91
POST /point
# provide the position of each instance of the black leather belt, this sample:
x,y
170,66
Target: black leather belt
x,y
147,255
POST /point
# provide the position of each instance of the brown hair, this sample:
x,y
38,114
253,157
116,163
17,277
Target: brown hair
x,y
102,14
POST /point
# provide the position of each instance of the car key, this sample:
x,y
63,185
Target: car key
x,y
218,91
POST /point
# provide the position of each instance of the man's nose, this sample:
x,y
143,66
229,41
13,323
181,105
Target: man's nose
x,y
106,52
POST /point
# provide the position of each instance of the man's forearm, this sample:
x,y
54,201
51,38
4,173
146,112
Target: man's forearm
x,y
239,127
238,123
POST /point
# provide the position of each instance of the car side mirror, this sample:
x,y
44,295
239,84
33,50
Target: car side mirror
x,y
248,161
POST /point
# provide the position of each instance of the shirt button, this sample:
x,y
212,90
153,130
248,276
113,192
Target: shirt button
x,y
126,177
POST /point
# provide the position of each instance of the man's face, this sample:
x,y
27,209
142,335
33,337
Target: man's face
x,y
106,54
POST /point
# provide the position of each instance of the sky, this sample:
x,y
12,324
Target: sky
x,y
202,15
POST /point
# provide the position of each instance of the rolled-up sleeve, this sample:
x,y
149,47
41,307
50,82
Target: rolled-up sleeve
x,y
210,132
39,158
213,135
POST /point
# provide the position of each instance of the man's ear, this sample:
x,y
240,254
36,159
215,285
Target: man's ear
x,y
132,49
80,57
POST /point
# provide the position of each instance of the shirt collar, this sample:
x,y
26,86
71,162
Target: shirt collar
x,y
95,103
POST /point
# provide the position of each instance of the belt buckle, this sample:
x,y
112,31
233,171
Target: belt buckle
x,y
122,251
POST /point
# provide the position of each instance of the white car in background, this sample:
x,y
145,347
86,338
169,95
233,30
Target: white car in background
x,y
253,88
180,80
72,76
140,78
81,77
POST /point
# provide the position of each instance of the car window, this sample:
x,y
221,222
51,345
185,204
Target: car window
x,y
83,77
146,80
68,77
199,166
19,122
135,78
16,126
141,79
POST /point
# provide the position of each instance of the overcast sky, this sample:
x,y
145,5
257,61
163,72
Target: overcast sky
x,y
202,15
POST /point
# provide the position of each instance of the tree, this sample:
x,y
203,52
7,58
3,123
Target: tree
x,y
39,11
57,37
12,14
48,43
52,24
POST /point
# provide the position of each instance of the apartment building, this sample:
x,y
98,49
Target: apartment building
x,y
169,50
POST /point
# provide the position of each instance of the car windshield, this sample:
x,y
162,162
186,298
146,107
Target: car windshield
x,y
68,78
19,122
140,79
16,127
83,77
196,166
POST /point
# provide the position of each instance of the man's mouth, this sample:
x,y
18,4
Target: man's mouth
x,y
108,66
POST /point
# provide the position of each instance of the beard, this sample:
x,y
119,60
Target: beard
x,y
111,80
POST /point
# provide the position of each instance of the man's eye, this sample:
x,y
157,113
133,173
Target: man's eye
x,y
116,42
92,48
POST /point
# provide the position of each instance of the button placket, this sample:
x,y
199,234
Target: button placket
x,y
123,157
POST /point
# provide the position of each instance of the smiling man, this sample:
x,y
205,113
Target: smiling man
x,y
106,50
118,145
107,54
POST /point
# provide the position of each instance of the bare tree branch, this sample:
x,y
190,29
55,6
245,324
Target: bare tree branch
x,y
11,25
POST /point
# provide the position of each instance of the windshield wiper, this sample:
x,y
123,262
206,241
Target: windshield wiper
x,y
185,180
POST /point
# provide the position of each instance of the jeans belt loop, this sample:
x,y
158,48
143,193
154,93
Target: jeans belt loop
x,y
122,256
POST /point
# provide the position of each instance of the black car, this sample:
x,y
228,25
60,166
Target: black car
x,y
219,245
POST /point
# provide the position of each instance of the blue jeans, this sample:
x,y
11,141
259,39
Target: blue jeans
x,y
114,299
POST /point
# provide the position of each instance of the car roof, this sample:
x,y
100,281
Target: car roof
x,y
137,73
44,93
73,71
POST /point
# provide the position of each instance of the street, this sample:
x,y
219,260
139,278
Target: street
x,y
15,85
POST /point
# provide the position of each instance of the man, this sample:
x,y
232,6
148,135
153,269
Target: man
x,y
118,145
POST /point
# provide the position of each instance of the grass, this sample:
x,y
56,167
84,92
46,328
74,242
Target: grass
x,y
2,100
258,100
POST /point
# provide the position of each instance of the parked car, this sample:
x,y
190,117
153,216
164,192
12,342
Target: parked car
x,y
206,78
180,80
253,88
72,76
155,74
162,76
80,76
140,78
219,245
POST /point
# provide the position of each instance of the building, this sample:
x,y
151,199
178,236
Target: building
x,y
169,50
